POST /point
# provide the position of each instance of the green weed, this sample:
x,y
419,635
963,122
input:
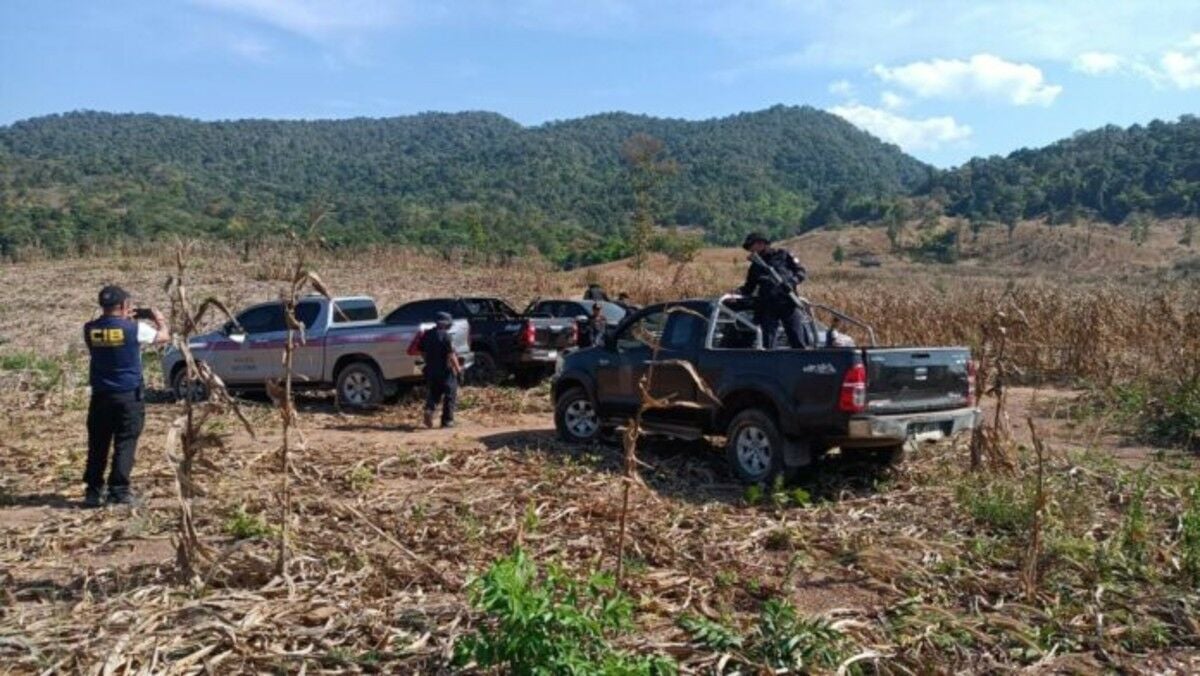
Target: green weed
x,y
244,526
785,640
999,505
1189,539
547,623
712,635
360,479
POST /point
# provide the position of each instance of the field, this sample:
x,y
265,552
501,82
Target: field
x,y
1084,560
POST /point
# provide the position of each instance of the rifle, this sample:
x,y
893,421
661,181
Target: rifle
x,y
800,301
807,307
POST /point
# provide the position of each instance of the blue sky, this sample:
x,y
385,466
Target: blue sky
x,y
945,80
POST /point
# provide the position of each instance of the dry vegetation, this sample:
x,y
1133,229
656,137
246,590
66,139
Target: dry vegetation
x,y
932,567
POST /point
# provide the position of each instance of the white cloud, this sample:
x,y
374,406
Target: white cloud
x,y
841,88
982,76
861,33
892,100
1182,67
250,48
316,19
910,134
1097,63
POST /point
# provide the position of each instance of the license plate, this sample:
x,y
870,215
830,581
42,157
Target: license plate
x,y
545,354
926,430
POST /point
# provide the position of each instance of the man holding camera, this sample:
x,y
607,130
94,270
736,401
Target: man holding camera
x,y
117,410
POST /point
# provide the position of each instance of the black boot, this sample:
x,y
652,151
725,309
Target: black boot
x,y
92,498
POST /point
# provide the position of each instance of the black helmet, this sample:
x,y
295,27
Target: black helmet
x,y
752,238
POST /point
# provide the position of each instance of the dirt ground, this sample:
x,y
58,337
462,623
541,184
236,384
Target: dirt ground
x,y
390,522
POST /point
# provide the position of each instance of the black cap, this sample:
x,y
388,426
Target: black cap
x,y
444,318
752,238
111,296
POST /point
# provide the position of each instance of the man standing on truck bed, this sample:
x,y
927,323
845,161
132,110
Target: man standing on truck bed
x,y
773,302
441,371
117,410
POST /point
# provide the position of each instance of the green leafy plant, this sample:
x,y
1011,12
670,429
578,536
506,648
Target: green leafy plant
x,y
783,639
999,505
548,623
1134,529
710,634
243,525
1189,539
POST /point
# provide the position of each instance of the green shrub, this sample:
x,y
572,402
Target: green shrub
x,y
550,624
244,526
999,505
785,640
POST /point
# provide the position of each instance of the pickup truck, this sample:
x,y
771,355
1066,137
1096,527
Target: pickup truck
x,y
502,340
779,410
346,348
578,311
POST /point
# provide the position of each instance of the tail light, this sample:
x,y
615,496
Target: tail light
x,y
528,335
414,348
853,398
972,373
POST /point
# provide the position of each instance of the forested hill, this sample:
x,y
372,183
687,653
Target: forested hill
x,y
468,179
1109,173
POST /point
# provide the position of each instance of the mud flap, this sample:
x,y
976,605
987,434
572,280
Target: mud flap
x,y
797,453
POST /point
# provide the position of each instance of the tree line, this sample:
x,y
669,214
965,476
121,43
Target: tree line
x,y
568,190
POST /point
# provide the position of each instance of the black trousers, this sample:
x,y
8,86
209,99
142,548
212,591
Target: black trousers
x,y
442,389
796,326
114,422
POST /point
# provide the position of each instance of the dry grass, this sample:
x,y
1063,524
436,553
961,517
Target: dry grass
x,y
927,568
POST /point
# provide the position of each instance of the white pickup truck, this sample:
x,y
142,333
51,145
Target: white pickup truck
x,y
346,348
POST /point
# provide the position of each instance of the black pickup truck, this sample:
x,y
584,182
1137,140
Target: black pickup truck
x,y
503,340
779,410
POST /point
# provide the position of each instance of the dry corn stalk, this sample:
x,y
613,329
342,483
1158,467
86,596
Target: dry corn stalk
x,y
183,440
281,392
634,428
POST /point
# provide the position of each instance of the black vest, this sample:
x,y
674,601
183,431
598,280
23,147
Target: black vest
x,y
116,357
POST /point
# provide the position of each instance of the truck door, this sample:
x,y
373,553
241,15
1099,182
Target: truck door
x,y
671,380
621,368
256,358
308,360
265,337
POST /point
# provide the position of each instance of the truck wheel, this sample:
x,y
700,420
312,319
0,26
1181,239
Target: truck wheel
x,y
484,371
576,418
754,447
888,456
183,389
359,386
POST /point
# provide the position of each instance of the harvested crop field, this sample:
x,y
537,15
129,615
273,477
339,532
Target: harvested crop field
x,y
929,567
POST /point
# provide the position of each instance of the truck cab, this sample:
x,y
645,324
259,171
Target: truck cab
x,y
706,373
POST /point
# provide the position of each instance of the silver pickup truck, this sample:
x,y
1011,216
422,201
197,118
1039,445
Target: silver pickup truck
x,y
346,348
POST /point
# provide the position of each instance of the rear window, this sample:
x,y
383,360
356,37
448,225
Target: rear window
x,y
419,311
361,310
306,314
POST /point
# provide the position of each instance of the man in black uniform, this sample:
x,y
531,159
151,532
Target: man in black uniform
x,y
595,292
441,371
595,328
117,411
773,304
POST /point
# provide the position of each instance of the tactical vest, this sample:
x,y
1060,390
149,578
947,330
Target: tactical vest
x,y
116,357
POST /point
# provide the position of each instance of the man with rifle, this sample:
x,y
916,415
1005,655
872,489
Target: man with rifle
x,y
772,280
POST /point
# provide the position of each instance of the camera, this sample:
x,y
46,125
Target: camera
x,y
143,313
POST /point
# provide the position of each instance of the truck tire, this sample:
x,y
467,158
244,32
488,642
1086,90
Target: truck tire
x,y
754,447
576,418
184,389
359,386
484,371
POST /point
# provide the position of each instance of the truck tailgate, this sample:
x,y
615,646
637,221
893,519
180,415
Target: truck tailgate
x,y
909,380
554,334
